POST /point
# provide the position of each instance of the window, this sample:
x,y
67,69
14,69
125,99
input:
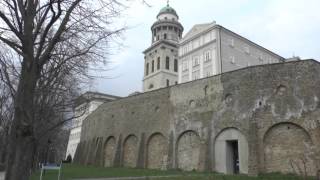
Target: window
x,y
175,65
195,75
232,60
158,63
147,69
184,65
247,49
158,37
165,36
150,86
176,82
168,82
207,56
231,42
208,74
167,63
261,58
195,61
152,66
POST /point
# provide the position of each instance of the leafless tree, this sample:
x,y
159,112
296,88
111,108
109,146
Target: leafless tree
x,y
6,115
52,43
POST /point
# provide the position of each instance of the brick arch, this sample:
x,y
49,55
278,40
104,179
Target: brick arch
x,y
157,151
109,148
287,146
130,151
222,161
188,151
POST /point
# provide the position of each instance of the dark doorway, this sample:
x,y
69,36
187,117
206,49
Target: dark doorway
x,y
232,157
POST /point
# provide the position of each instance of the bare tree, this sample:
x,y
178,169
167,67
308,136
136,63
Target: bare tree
x,y
52,43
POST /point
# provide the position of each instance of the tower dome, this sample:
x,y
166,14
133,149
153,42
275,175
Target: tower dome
x,y
167,26
167,10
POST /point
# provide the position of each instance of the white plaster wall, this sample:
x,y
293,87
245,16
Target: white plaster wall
x,y
75,132
221,150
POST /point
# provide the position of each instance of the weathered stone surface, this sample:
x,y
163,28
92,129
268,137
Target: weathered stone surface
x,y
258,102
109,151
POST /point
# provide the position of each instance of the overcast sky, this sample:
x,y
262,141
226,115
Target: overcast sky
x,y
286,27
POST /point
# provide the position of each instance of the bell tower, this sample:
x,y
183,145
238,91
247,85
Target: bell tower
x,y
161,58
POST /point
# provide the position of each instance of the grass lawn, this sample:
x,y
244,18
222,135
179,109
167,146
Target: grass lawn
x,y
70,171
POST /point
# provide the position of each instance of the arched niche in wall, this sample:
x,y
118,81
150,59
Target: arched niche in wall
x,y
130,151
287,147
109,151
188,151
231,152
157,151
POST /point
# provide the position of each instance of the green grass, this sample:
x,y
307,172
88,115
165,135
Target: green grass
x,y
70,171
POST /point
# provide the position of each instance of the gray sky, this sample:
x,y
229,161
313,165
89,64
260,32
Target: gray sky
x,y
286,27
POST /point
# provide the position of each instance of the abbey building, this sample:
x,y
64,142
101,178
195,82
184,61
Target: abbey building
x,y
206,50
212,101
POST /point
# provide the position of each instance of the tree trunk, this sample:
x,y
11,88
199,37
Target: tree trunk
x,y
21,136
19,167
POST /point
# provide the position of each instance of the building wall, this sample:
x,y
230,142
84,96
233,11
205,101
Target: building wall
x,y
196,49
82,111
257,104
238,52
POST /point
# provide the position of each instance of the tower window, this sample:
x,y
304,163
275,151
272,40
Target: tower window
x,y
168,82
158,63
147,69
152,67
165,36
167,63
175,65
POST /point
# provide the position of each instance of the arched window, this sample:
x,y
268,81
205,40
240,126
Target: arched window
x,y
147,69
152,67
168,82
167,63
158,63
175,65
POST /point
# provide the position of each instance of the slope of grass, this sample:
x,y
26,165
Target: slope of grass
x,y
70,171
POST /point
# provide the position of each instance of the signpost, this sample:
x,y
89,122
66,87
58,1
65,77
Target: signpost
x,y
51,167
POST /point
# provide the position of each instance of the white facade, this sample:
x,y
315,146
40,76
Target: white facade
x,y
90,102
210,49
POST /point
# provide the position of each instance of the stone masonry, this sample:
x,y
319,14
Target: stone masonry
x,y
271,111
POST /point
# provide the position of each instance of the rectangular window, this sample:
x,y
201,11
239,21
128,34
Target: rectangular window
x,y
167,63
152,66
158,63
261,58
195,75
195,61
232,60
175,65
247,49
185,65
207,56
231,43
